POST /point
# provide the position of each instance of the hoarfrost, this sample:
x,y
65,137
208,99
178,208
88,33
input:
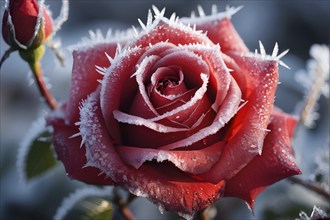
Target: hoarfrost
x,y
315,81
135,120
274,57
37,128
215,15
69,202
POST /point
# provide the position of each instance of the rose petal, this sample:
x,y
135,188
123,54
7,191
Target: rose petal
x,y
84,74
166,186
219,73
275,163
118,88
220,30
141,74
68,150
249,126
194,161
138,121
227,110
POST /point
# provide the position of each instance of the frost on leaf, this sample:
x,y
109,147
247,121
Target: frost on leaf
x,y
35,156
88,201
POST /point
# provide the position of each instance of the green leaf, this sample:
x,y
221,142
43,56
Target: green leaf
x,y
40,157
86,203
101,211
90,208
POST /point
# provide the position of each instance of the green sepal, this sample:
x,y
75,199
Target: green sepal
x,y
32,55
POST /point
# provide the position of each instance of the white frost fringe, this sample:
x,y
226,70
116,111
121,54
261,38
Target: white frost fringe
x,y
38,127
69,202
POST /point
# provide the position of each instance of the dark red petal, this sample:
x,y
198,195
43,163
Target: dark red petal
x,y
221,31
68,150
84,74
168,187
192,161
275,163
248,127
119,88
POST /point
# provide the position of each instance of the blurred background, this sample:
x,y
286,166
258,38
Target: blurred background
x,y
293,24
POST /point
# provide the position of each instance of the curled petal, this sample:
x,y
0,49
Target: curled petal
x,y
194,161
68,150
85,76
135,120
249,126
275,163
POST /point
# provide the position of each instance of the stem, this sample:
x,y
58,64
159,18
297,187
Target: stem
x,y
124,210
313,187
37,72
5,56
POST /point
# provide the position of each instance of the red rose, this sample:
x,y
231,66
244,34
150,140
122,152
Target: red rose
x,y
180,117
20,27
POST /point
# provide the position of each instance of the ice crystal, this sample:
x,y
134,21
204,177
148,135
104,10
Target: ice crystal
x,y
275,56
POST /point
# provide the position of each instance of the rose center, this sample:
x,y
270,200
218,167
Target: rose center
x,y
167,81
166,84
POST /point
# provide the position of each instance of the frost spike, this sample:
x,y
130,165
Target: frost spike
x,y
262,49
158,14
230,11
194,27
109,57
136,33
75,135
100,70
282,54
214,9
156,10
275,50
173,17
141,24
99,81
82,141
283,64
149,19
200,11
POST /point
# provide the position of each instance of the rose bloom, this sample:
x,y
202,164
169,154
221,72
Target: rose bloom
x,y
19,24
179,116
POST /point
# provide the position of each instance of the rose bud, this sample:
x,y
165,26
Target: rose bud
x,y
23,25
180,116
